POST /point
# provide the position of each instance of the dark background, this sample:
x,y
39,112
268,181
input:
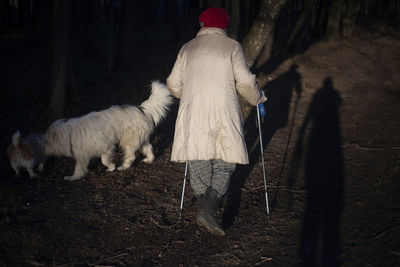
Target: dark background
x,y
331,136
68,46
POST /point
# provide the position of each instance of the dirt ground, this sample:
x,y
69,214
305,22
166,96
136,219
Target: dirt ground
x,y
332,152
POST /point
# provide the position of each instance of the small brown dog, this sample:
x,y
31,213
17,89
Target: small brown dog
x,y
26,152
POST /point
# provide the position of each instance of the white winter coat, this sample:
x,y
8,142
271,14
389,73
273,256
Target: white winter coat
x,y
208,73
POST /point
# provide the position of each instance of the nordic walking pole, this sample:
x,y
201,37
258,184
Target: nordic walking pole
x,y
183,187
260,108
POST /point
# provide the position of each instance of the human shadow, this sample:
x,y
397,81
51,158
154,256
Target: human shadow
x,y
324,179
279,92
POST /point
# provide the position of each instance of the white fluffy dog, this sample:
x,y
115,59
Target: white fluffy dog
x,y
97,133
26,152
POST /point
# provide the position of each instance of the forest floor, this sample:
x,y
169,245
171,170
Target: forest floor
x,y
332,158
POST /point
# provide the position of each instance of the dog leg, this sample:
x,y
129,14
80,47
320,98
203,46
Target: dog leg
x,y
147,150
41,166
32,174
106,160
80,170
129,157
17,173
129,145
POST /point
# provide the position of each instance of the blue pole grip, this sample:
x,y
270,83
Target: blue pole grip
x,y
261,109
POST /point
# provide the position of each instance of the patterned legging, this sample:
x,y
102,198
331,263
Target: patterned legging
x,y
214,173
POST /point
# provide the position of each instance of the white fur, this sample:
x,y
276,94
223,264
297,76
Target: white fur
x,y
26,153
96,134
15,138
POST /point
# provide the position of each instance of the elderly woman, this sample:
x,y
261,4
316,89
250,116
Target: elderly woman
x,y
209,73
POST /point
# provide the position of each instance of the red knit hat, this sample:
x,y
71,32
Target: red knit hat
x,y
214,17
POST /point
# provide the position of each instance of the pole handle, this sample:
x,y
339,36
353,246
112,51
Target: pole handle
x,y
261,109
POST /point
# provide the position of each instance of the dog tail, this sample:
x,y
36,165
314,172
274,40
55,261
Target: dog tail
x,y
158,103
15,138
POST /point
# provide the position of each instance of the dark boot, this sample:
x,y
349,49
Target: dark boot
x,y
208,204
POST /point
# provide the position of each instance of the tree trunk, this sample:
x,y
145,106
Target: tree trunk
x,y
265,52
322,18
308,8
341,18
59,46
260,34
261,30
351,9
333,26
